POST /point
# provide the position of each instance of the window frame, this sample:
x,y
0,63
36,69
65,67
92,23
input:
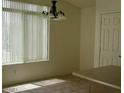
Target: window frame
x,y
48,46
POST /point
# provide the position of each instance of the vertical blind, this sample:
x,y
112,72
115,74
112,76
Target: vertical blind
x,y
24,33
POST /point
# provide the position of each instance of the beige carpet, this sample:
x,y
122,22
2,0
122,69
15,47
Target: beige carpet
x,y
66,84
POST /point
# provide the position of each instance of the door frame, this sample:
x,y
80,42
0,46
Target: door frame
x,y
98,35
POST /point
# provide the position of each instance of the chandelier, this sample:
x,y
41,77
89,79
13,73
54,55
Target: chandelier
x,y
54,13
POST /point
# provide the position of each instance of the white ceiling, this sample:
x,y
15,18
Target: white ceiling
x,y
82,3
77,3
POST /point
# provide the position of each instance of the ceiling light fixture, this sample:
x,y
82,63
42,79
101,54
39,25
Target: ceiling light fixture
x,y
54,13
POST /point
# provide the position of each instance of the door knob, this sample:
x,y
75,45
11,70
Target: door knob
x,y
119,56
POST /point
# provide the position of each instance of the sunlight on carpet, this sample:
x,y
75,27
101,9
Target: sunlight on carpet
x,y
20,88
49,82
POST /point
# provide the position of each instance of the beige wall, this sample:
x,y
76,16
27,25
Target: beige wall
x,y
87,36
64,51
108,5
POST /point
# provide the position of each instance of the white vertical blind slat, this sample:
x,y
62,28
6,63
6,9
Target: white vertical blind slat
x,y
24,35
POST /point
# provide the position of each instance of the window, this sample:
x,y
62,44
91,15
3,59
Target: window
x,y
25,33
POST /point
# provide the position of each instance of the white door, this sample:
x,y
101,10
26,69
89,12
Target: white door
x,y
110,43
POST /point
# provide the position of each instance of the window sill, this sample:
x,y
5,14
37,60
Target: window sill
x,y
28,62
